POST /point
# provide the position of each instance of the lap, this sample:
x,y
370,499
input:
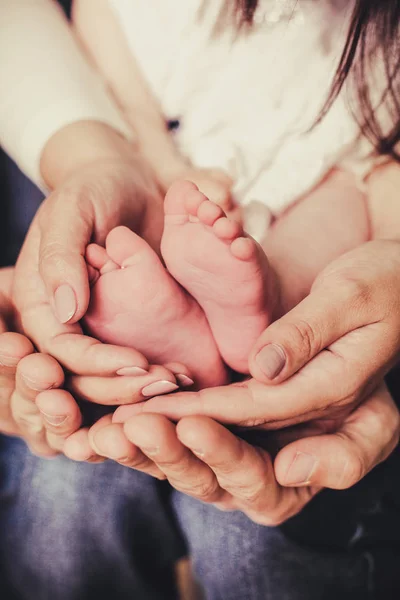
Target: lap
x,y
73,530
235,558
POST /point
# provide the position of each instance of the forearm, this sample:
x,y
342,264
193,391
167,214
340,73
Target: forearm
x,y
46,83
102,37
80,144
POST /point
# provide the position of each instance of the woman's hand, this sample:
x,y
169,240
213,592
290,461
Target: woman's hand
x,y
331,352
102,183
321,359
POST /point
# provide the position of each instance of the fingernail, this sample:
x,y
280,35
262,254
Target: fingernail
x,y
132,371
184,380
34,385
55,420
271,360
65,303
301,469
199,453
151,451
8,361
159,387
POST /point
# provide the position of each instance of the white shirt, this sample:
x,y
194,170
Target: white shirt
x,y
247,102
45,82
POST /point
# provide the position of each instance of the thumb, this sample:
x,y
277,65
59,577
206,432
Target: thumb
x,y
65,229
339,460
330,311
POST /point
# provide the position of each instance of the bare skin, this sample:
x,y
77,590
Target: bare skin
x,y
135,301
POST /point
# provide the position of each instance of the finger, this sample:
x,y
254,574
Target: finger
x,y
64,237
77,447
61,415
108,440
78,353
6,281
13,347
339,460
336,379
242,470
344,298
156,437
182,374
124,390
35,373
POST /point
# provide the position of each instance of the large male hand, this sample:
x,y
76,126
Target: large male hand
x,y
316,365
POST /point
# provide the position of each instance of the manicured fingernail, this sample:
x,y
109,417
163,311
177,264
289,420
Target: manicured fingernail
x,y
301,469
271,360
159,387
34,385
184,380
8,361
132,371
65,303
55,420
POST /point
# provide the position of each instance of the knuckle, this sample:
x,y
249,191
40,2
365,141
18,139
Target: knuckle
x,y
354,470
253,495
354,290
140,463
203,490
53,255
33,426
305,337
178,468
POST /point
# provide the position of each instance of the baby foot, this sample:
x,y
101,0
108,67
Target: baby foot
x,y
215,184
225,271
136,303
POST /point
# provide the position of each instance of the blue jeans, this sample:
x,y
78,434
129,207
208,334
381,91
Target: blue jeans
x,y
72,531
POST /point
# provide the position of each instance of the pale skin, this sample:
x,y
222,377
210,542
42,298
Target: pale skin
x,y
180,472
82,445
79,212
100,34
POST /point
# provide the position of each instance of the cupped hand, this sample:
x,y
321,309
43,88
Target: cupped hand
x,y
320,360
24,377
51,286
203,459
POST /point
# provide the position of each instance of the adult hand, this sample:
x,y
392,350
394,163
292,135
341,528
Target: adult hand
x,y
201,458
23,376
322,358
105,185
317,363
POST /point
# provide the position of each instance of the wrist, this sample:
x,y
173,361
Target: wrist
x,y
80,144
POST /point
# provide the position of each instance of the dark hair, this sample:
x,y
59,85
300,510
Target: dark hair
x,y
374,33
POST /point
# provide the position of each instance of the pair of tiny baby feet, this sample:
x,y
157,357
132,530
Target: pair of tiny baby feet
x,y
205,308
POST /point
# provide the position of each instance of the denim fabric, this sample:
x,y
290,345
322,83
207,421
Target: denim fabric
x,y
72,531
235,559
79,531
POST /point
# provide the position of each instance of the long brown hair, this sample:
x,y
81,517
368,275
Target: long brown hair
x,y
374,32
